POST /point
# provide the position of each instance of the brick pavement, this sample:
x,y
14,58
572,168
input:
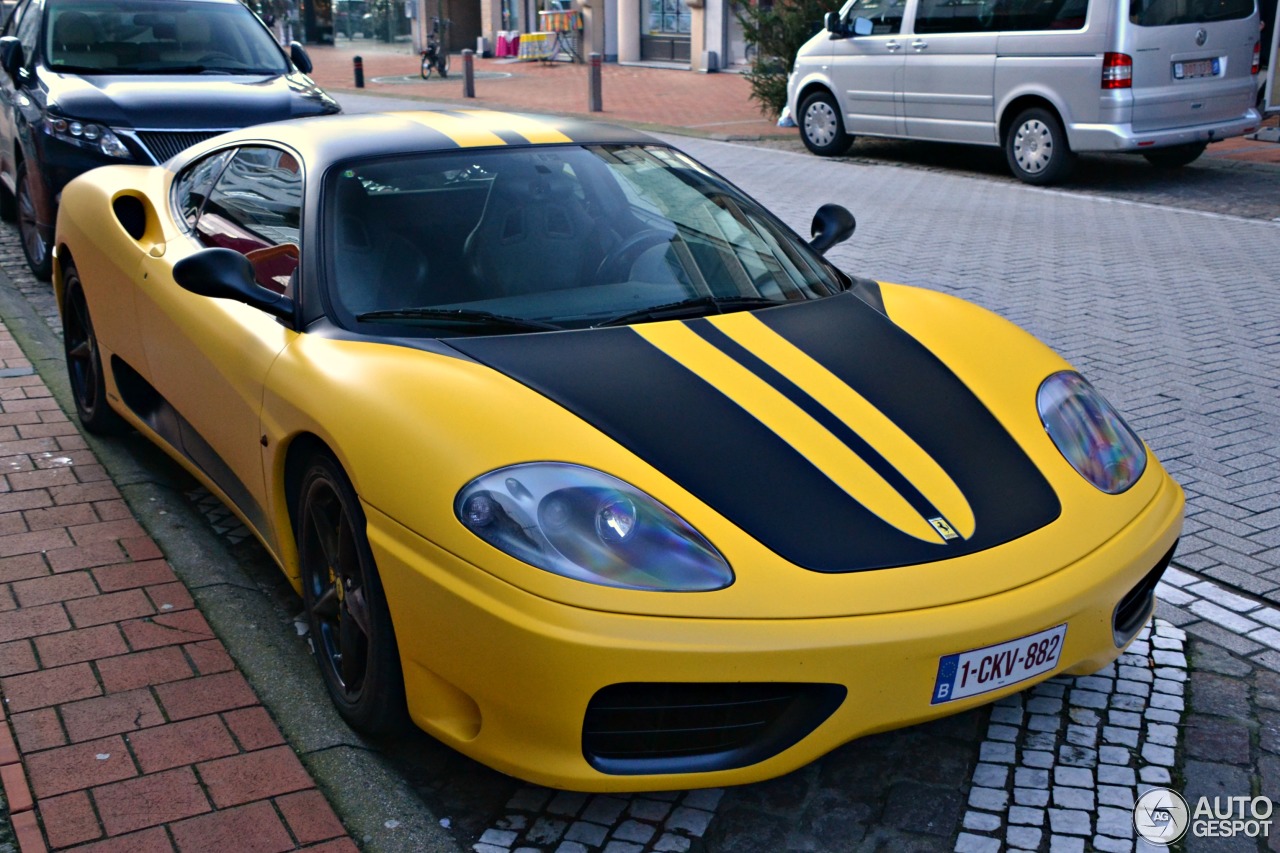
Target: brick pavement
x,y
714,105
134,727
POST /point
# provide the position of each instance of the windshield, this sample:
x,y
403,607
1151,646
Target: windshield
x,y
158,37
559,237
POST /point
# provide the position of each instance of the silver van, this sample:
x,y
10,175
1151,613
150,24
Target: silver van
x,y
1045,79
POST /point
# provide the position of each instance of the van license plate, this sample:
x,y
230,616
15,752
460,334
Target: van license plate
x,y
992,667
1196,68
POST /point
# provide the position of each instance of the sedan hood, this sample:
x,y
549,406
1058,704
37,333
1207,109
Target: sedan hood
x,y
820,428
176,102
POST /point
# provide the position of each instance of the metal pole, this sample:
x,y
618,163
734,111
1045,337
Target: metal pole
x,y
595,99
468,73
357,63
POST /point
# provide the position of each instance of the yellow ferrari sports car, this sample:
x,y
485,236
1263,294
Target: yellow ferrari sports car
x,y
585,463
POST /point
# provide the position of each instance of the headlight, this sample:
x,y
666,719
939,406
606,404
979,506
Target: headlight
x,y
584,524
85,134
1090,433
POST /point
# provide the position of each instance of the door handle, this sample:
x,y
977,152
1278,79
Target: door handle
x,y
919,44
892,45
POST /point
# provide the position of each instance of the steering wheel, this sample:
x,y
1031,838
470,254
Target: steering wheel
x,y
619,260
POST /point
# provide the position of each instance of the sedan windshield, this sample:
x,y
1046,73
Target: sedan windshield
x,y
158,37
558,237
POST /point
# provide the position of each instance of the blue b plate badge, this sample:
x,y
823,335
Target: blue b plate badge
x,y
991,667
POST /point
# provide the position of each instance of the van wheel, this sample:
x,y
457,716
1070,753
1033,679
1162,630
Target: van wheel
x,y
821,127
1036,147
1176,156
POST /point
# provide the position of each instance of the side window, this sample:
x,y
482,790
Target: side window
x,y
885,15
28,31
956,16
11,23
191,188
255,208
1024,15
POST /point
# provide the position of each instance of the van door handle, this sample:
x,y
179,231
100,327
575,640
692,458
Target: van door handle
x,y
892,45
919,44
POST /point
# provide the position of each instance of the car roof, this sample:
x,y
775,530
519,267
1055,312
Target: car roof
x,y
327,139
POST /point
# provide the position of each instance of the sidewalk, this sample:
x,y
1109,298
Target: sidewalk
x,y
718,106
135,728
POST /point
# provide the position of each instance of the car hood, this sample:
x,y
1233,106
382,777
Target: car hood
x,y
821,429
186,101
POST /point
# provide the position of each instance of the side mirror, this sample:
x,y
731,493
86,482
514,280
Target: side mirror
x,y
11,55
862,26
831,22
227,274
832,224
298,54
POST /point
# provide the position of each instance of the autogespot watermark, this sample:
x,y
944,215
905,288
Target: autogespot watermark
x,y
1162,816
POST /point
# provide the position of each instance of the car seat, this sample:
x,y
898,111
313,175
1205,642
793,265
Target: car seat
x,y
534,233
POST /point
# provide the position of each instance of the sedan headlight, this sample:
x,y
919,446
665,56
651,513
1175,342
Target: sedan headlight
x,y
1090,433
583,524
86,134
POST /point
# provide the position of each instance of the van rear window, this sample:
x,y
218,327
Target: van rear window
x,y
1163,13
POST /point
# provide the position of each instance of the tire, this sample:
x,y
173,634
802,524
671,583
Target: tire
x,y
84,361
1176,156
442,63
427,66
821,127
37,250
1036,148
351,633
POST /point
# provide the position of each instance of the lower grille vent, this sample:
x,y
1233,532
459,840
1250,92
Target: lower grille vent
x,y
647,728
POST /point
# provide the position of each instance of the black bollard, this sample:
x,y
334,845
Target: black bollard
x,y
357,62
595,98
468,73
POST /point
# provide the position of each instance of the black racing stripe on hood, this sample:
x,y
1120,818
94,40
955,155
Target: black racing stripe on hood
x,y
693,433
909,384
815,410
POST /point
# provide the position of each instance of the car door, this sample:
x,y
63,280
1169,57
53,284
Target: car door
x,y
867,70
949,83
24,24
207,358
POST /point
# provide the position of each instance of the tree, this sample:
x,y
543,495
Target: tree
x,y
777,30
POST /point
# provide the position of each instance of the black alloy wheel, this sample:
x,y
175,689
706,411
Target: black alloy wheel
x,y
84,361
351,632
34,246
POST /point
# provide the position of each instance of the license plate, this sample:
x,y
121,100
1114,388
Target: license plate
x,y
1196,68
989,668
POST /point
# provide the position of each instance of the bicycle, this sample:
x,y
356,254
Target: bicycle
x,y
436,56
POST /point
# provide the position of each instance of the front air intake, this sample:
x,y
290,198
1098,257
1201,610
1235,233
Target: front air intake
x,y
1133,610
653,728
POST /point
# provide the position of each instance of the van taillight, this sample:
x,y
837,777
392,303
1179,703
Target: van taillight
x,y
1257,57
1117,71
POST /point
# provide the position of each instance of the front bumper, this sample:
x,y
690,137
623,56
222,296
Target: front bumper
x,y
1122,137
507,677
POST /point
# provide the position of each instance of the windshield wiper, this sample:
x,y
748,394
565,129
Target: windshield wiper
x,y
464,316
695,307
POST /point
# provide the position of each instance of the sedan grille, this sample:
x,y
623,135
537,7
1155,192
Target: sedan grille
x,y
163,144
633,729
